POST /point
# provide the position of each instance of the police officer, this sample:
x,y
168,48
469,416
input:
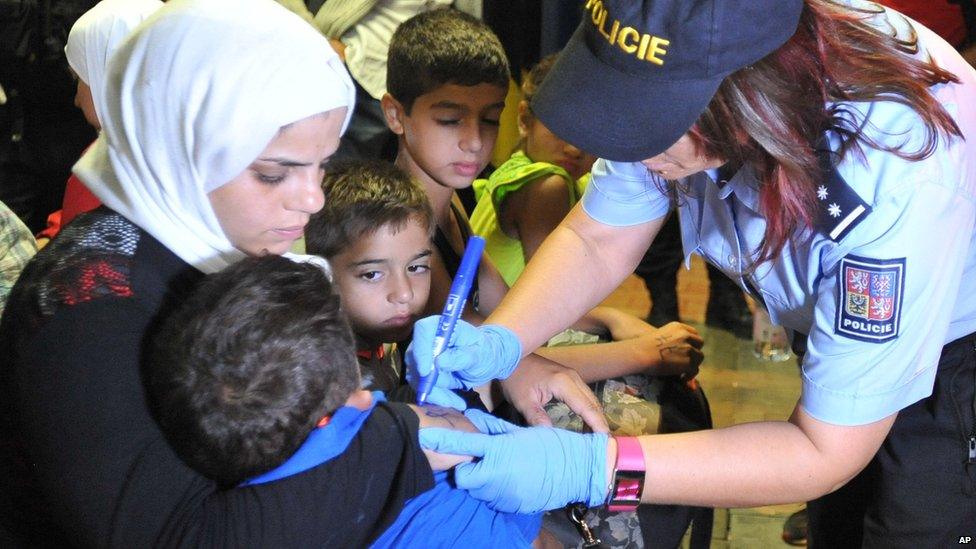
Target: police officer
x,y
824,156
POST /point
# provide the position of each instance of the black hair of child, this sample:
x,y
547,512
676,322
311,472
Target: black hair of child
x,y
439,47
362,196
244,369
538,73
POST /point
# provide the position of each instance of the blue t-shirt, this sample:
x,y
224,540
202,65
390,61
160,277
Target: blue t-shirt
x,y
443,516
888,278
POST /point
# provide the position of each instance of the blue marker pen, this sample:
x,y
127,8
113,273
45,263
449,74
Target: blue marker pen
x,y
458,296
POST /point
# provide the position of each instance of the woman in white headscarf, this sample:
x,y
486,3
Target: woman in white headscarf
x,y
91,42
218,118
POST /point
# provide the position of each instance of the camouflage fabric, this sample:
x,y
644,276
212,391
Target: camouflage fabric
x,y
630,404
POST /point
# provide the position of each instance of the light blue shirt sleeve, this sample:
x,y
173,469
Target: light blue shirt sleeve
x,y
624,193
888,289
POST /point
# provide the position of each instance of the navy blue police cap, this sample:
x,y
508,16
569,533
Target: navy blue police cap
x,y
636,75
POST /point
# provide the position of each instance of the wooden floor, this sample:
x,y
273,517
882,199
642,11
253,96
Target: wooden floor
x,y
740,388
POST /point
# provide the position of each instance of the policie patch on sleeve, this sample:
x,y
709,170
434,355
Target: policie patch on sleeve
x,y
870,298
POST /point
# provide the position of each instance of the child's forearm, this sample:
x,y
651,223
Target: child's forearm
x,y
599,361
618,324
674,349
591,323
448,418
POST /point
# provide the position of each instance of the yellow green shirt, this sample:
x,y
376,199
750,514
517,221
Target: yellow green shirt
x,y
519,170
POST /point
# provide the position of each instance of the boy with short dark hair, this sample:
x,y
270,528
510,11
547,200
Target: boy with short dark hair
x,y
447,77
248,377
375,231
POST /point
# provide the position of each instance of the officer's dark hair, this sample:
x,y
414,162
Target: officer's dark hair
x,y
442,46
362,196
242,371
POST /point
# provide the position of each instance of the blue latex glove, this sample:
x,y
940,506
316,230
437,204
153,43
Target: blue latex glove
x,y
473,357
489,424
525,469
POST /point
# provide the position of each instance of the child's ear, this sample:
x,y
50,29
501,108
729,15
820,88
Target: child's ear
x,y
393,112
524,117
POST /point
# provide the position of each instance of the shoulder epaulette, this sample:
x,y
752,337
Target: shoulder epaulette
x,y
839,208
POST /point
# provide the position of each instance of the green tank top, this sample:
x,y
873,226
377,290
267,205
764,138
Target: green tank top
x,y
506,252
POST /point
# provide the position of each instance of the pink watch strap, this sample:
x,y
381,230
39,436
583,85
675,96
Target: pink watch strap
x,y
628,475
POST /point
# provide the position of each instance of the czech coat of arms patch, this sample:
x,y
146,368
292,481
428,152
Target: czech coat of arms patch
x,y
870,298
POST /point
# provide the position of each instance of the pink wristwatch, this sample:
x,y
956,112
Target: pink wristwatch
x,y
628,476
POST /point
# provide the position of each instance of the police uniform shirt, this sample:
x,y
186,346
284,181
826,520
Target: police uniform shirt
x,y
887,276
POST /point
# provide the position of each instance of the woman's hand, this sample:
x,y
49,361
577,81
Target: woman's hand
x,y
537,381
525,469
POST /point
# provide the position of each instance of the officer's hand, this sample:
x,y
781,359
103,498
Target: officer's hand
x,y
473,357
526,469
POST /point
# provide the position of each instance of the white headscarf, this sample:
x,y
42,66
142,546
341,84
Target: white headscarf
x,y
97,34
192,98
